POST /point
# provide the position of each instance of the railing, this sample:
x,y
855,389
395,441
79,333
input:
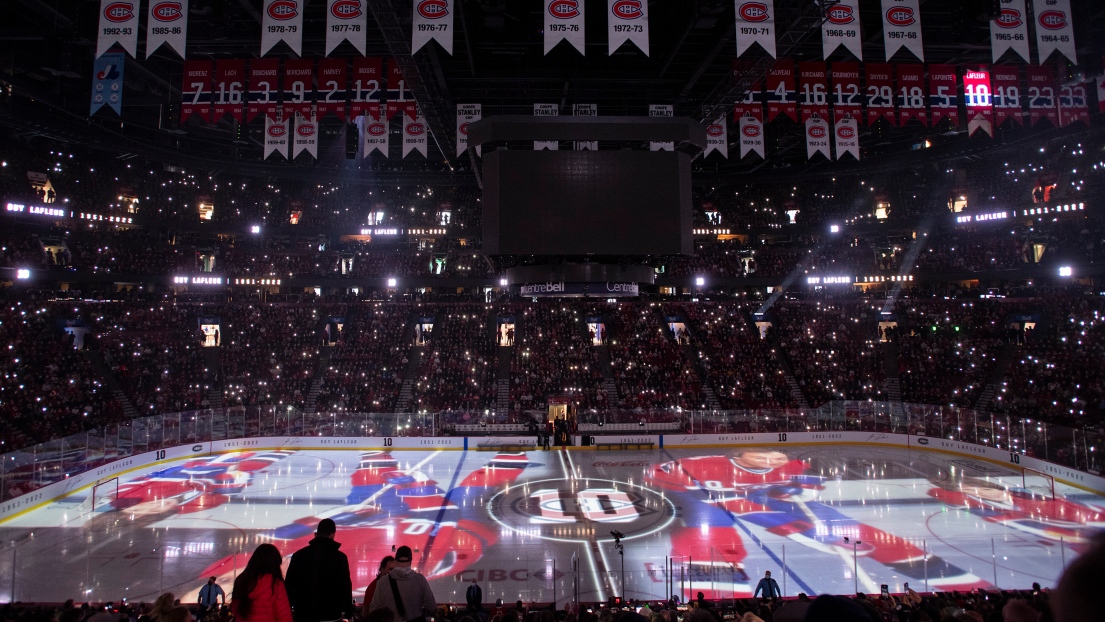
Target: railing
x,y
32,468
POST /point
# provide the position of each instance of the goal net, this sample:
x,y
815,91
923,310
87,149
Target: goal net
x,y
104,492
1038,482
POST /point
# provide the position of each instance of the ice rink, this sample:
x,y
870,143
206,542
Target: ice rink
x,y
537,526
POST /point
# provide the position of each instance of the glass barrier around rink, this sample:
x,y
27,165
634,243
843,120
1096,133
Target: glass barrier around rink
x,y
33,467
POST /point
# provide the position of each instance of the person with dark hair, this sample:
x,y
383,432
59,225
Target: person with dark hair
x,y
386,565
319,585
1076,599
407,593
259,594
474,597
209,597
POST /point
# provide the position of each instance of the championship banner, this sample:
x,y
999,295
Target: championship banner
x,y
817,138
911,94
1041,94
432,21
282,20
264,77
717,138
1009,31
546,110
847,95
841,27
107,82
943,94
196,91
751,135
1054,30
901,27
564,22
663,111
976,92
299,86
399,98
880,93
306,136
1073,106
813,84
230,79
167,22
276,137
1007,94
366,92
466,113
846,135
627,21
333,87
374,132
414,134
118,24
756,24
585,110
345,21
780,90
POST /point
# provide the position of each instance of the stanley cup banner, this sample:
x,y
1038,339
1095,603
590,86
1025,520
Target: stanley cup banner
x,y
306,135
585,110
980,107
628,21
756,24
107,82
662,111
466,113
817,137
1054,30
167,22
841,27
546,110
414,134
345,21
564,22
717,138
374,133
118,24
1009,30
846,135
432,20
901,27
751,135
282,20
276,137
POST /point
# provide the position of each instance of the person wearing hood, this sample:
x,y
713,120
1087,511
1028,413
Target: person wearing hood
x,y
318,582
405,592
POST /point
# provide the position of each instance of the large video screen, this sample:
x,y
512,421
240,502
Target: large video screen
x,y
587,202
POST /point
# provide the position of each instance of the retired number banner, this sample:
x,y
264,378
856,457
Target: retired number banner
x,y
345,21
230,82
841,27
911,94
780,90
1073,106
564,22
756,24
332,87
880,92
282,20
1041,94
847,96
813,90
167,23
901,27
943,95
1009,31
264,74
196,91
399,98
976,92
1007,94
366,88
432,20
628,21
299,89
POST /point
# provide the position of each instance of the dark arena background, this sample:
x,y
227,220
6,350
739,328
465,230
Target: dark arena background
x,y
594,303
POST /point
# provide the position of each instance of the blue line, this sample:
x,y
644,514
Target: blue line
x,y
444,505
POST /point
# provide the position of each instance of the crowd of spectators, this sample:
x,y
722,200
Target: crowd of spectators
x,y
555,356
366,368
651,370
459,365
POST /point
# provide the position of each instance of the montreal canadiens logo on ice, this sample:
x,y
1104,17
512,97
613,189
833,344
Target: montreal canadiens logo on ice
x,y
816,131
626,9
119,12
167,11
753,11
283,9
1009,18
564,9
433,9
346,9
846,132
1053,20
840,15
376,129
900,16
277,131
415,129
751,131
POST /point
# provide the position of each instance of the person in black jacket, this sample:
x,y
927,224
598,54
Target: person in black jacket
x,y
318,582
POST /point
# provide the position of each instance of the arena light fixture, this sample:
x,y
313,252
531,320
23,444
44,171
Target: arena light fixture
x,y
1065,271
391,282
255,229
502,282
23,273
699,281
834,228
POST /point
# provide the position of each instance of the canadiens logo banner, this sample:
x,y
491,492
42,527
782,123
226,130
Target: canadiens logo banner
x,y
751,135
943,98
366,90
299,89
841,27
264,74
911,94
585,110
432,21
847,95
661,111
780,90
846,136
976,92
814,90
345,21
118,24
1054,30
374,134
414,134
1009,30
628,21
880,93
167,22
230,80
282,20
901,27
564,22
276,137
466,113
1041,94
196,91
756,24
1007,94
817,137
306,136
717,138
546,110
107,82
332,87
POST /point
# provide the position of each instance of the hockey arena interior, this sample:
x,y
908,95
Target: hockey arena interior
x,y
609,308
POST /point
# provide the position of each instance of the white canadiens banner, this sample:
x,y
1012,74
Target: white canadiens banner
x,y
276,137
586,110
1009,30
817,137
717,138
1054,30
414,134
752,135
663,111
467,113
374,135
841,27
901,27
564,22
118,24
628,21
846,134
282,20
167,22
546,110
756,24
306,136
433,21
345,21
